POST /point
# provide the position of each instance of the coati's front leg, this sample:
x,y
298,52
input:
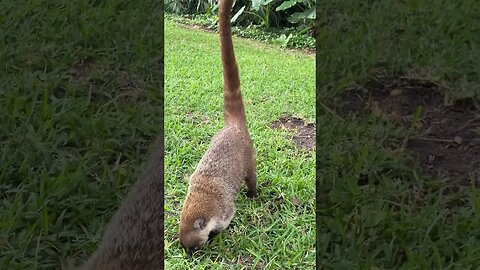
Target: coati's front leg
x,y
251,179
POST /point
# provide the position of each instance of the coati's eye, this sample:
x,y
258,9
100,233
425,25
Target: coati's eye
x,y
199,224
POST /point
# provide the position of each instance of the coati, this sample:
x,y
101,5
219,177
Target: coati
x,y
134,238
230,159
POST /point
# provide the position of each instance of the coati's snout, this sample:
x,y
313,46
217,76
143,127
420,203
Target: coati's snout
x,y
191,250
193,235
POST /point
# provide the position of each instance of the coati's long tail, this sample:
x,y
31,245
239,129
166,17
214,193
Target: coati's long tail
x,y
234,111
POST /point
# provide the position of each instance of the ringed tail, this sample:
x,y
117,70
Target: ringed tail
x,y
234,112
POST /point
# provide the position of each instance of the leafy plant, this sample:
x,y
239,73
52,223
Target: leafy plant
x,y
283,40
263,11
188,6
266,13
235,17
308,13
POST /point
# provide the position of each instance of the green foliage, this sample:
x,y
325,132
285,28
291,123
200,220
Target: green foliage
x,y
286,38
188,6
273,12
263,10
299,37
266,13
308,13
283,40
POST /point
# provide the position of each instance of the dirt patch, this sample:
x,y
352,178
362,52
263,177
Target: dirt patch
x,y
445,137
80,71
131,87
248,261
304,136
204,120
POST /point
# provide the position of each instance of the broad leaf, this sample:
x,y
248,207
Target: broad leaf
x,y
235,17
287,4
307,14
257,3
283,40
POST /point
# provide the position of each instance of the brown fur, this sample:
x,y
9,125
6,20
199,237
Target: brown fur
x,y
228,162
134,238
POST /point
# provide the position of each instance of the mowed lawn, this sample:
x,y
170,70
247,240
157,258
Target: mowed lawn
x,y
277,229
80,104
378,206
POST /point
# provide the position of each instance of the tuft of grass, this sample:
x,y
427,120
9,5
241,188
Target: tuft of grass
x,y
273,231
80,102
401,218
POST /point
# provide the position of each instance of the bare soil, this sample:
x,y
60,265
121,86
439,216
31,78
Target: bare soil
x,y
304,136
445,137
131,87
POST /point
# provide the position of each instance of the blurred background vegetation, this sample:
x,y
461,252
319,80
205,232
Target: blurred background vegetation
x,y
288,23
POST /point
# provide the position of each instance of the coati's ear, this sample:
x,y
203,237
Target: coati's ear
x,y
199,224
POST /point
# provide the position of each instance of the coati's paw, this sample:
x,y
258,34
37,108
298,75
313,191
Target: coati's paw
x,y
252,195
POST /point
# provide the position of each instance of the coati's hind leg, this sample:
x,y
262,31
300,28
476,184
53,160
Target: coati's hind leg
x,y
251,179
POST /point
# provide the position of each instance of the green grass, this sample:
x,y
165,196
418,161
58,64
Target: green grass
x,y
427,39
269,232
406,220
80,102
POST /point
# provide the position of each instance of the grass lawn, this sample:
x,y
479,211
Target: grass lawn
x,y
80,103
275,230
379,207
